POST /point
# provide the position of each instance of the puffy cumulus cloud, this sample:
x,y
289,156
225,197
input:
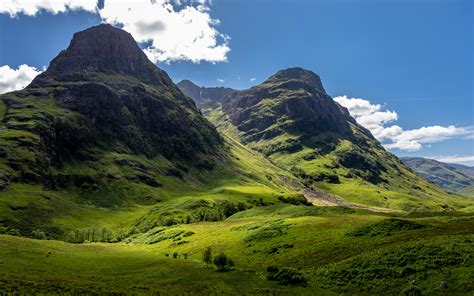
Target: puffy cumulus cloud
x,y
14,79
372,117
171,30
31,8
368,115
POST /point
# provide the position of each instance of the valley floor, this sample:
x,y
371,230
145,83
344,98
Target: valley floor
x,y
340,251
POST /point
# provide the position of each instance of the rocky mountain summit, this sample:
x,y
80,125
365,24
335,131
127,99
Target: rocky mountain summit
x,y
291,101
101,95
205,97
102,49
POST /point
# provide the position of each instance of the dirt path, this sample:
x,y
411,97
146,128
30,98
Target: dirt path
x,y
321,198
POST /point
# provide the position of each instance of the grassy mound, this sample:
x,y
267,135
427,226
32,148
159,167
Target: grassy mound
x,y
386,227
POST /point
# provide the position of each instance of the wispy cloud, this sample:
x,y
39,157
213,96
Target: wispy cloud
x,y
14,79
377,120
252,79
462,159
220,80
172,31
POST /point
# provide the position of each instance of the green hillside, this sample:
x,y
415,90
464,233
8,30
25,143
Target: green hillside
x,y
295,124
335,249
468,191
442,174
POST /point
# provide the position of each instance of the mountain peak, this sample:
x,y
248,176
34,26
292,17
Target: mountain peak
x,y
300,74
186,82
107,49
204,96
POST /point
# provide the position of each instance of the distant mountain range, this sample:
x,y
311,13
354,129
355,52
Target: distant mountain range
x,y
205,97
454,177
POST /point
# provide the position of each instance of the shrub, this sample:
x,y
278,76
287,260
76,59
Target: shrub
x,y
295,200
38,234
207,256
91,234
411,291
385,227
222,262
175,255
286,276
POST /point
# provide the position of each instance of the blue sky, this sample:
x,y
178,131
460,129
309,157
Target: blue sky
x,y
410,62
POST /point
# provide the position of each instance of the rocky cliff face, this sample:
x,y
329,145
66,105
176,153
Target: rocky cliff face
x,y
102,94
102,49
205,97
292,100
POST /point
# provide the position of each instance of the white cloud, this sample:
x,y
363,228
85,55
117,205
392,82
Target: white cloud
x,y
14,79
171,34
31,8
220,80
464,159
172,30
372,117
253,79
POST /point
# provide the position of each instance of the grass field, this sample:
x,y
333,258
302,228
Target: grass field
x,y
338,249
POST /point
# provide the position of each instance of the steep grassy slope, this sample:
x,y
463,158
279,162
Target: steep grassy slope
x,y
290,119
468,191
442,174
103,144
338,250
123,205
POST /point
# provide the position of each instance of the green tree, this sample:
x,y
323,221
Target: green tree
x,y
207,256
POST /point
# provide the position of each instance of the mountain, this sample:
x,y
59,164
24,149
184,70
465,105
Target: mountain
x,y
113,182
453,177
205,97
293,121
100,94
103,129
468,170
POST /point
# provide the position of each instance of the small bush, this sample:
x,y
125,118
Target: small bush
x,y
175,255
411,291
207,256
286,276
385,227
222,262
91,234
295,200
38,234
